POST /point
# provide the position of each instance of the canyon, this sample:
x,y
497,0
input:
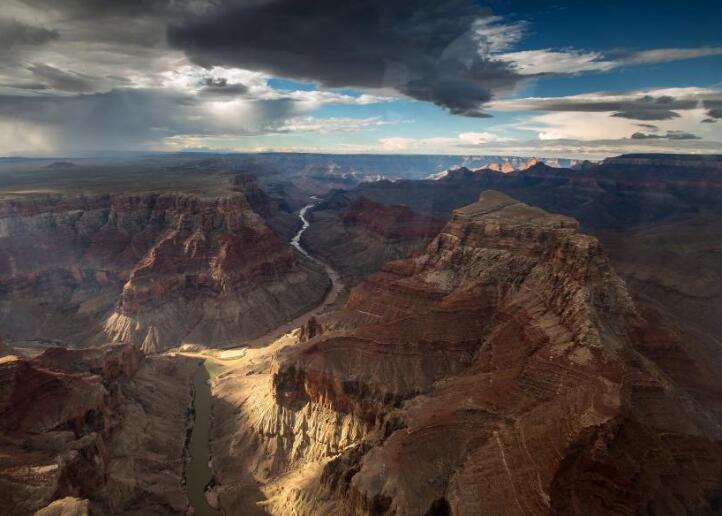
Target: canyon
x,y
153,270
505,369
657,217
537,341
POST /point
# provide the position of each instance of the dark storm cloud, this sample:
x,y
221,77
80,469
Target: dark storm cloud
x,y
130,26
681,135
105,8
647,114
644,108
221,87
64,81
13,32
25,85
119,119
114,112
709,121
118,79
422,48
671,135
649,127
714,108
653,108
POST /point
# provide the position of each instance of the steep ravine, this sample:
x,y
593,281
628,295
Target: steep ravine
x,y
332,294
199,473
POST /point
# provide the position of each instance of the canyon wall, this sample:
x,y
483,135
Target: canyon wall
x,y
503,370
99,429
357,236
657,217
611,195
153,270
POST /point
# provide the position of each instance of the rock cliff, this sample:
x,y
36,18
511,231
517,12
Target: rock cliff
x,y
154,270
683,161
216,275
98,429
57,413
617,194
507,167
504,370
656,215
357,236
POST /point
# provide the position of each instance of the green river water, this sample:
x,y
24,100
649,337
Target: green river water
x,y
198,472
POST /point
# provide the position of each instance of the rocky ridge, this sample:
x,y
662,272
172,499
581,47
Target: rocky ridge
x,y
505,369
507,167
668,160
657,218
56,421
609,195
153,270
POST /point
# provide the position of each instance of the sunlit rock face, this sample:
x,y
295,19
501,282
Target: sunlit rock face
x,y
154,270
511,166
504,370
68,506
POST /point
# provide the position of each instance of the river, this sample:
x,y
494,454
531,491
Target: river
x,y
336,284
198,471
331,296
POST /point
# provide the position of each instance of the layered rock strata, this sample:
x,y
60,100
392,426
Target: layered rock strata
x,y
57,413
154,270
99,430
357,236
658,217
505,370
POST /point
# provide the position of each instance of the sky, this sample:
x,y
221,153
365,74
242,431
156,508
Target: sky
x,y
525,78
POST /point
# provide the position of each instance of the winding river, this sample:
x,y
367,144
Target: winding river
x,y
336,284
331,296
198,471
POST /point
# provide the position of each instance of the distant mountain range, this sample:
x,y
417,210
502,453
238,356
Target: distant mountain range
x,y
507,164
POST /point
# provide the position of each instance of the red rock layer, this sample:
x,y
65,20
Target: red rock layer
x,y
57,412
509,372
390,221
507,167
358,236
149,269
